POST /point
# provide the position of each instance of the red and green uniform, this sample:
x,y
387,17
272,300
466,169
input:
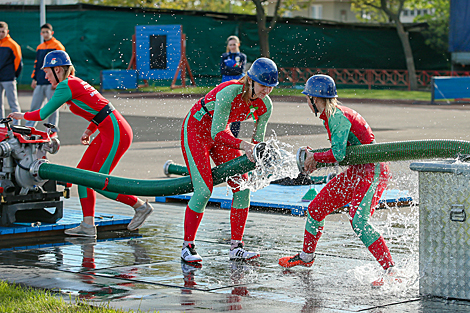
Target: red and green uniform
x,y
105,151
206,135
361,186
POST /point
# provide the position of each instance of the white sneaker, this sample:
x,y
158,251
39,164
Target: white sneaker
x,y
189,254
141,214
81,230
239,253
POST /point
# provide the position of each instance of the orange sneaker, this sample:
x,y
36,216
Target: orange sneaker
x,y
390,275
291,261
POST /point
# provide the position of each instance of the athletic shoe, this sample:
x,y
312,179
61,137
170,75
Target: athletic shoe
x,y
390,275
189,254
239,253
141,213
291,261
81,230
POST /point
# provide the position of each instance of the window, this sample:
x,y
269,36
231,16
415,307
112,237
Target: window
x,y
344,16
316,11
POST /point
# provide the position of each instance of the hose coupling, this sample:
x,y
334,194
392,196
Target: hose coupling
x,y
300,158
34,169
166,167
5,149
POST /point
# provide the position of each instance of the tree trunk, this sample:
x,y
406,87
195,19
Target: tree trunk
x,y
410,63
263,32
263,41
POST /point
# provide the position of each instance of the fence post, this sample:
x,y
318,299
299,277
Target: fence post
x,y
432,90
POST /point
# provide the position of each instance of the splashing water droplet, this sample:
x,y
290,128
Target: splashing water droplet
x,y
277,162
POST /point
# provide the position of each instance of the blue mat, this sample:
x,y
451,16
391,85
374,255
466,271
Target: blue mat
x,y
282,197
72,218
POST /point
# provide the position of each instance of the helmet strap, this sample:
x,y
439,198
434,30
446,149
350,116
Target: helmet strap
x,y
55,75
312,100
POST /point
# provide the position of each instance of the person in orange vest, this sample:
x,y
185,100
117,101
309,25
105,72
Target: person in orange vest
x,y
42,87
11,65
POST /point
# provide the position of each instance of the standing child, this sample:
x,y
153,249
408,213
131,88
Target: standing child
x,y
205,135
232,66
11,64
42,87
360,185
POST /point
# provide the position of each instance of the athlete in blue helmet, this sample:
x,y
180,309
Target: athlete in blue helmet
x,y
206,132
360,186
104,151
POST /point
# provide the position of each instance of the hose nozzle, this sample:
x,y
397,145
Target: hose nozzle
x,y
266,154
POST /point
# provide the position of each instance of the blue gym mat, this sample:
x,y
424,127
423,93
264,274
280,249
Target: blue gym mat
x,y
71,218
283,197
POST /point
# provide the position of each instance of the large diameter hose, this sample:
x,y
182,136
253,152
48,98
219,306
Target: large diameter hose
x,y
177,169
129,186
172,168
382,152
402,151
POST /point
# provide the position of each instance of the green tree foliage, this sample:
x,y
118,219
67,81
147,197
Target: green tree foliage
x,y
226,6
437,34
390,10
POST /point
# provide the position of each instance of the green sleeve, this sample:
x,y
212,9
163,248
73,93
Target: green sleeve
x,y
339,127
61,95
222,108
260,127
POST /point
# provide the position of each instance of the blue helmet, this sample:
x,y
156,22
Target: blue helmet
x,y
264,71
321,86
56,58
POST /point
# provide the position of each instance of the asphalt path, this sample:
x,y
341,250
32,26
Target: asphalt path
x,y
155,128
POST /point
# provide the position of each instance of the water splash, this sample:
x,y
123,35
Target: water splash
x,y
277,162
400,228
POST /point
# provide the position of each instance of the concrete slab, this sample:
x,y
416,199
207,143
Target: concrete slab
x,y
144,271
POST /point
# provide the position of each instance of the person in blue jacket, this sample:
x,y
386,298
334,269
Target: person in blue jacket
x,y
232,66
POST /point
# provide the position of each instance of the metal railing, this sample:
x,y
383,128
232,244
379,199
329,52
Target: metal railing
x,y
367,77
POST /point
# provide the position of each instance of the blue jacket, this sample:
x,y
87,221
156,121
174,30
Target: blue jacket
x,y
44,48
232,64
11,62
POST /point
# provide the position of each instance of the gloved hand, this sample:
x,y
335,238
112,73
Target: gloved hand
x,y
230,62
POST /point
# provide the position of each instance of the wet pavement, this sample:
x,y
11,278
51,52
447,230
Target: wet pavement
x,y
143,270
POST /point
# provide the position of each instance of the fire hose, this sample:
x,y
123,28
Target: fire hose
x,y
382,152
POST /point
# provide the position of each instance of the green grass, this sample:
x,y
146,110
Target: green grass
x,y
342,93
14,298
384,94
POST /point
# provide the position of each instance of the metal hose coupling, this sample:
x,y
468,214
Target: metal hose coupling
x,y
300,157
265,154
34,169
166,167
5,149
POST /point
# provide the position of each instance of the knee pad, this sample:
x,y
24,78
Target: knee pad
x,y
312,225
199,200
241,199
364,230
